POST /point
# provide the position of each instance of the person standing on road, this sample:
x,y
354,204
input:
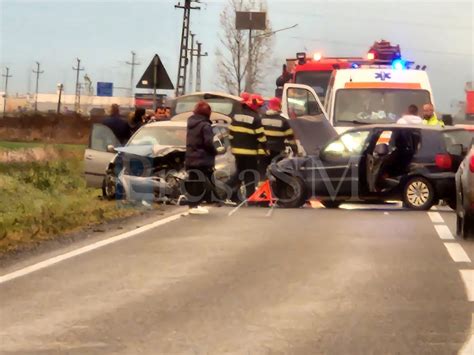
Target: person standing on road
x,y
200,157
137,120
429,116
247,140
411,117
278,133
118,125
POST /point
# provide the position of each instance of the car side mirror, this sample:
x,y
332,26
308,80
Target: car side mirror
x,y
110,148
381,149
456,149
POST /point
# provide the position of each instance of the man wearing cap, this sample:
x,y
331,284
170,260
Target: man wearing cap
x,y
278,132
247,140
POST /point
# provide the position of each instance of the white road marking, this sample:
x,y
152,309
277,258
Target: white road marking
x,y
269,213
436,217
468,348
48,262
444,232
457,253
468,279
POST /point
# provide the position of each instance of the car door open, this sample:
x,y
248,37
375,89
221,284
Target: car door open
x,y
307,117
99,154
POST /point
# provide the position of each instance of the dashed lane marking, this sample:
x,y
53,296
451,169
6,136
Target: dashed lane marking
x,y
468,279
457,253
444,232
436,217
57,259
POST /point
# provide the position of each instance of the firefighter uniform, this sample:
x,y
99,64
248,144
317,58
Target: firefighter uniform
x,y
247,140
279,135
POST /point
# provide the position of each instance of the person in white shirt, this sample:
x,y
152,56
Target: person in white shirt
x,y
411,117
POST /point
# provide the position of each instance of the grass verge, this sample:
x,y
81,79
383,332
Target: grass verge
x,y
40,200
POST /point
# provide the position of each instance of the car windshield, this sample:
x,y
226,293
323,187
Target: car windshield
x,y
318,80
376,105
218,104
348,145
161,135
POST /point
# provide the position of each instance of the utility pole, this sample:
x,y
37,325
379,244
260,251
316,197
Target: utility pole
x,y
183,54
191,66
5,94
155,71
37,72
77,101
198,65
133,63
249,65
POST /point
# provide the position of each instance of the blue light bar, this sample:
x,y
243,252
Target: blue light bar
x,y
399,64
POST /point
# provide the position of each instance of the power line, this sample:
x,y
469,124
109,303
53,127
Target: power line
x,y
37,72
77,100
133,64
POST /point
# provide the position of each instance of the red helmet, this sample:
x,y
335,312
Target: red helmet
x,y
274,104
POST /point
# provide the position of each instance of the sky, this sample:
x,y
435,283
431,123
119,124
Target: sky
x,y
439,34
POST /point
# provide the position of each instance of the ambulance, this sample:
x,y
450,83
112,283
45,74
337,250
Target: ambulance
x,y
376,90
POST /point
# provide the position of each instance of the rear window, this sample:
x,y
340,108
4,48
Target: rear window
x,y
458,137
221,105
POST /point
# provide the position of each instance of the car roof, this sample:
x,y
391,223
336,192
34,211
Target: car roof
x,y
166,124
399,126
213,93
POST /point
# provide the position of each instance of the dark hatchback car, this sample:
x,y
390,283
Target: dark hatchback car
x,y
414,164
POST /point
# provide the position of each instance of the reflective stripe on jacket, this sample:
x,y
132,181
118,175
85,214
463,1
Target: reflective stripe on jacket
x,y
278,132
246,133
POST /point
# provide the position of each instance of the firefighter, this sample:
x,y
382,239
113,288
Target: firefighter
x,y
278,132
247,140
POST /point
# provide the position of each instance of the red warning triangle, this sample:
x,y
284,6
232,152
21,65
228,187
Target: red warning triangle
x,y
262,194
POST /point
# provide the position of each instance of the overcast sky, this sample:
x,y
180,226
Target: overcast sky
x,y
437,33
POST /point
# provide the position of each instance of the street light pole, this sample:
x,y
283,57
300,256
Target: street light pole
x,y
37,72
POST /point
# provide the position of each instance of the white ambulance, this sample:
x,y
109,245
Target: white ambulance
x,y
369,94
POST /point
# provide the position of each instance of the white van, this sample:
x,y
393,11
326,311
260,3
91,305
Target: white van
x,y
367,95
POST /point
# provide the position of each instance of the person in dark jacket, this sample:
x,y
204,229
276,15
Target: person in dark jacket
x,y
137,120
278,132
118,125
200,157
247,141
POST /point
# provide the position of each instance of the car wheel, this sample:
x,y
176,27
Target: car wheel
x,y
331,204
418,194
290,193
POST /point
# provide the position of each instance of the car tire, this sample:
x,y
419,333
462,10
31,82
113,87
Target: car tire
x,y
418,194
331,204
291,193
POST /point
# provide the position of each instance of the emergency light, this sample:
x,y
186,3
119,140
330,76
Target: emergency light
x,y
370,56
399,64
317,56
301,56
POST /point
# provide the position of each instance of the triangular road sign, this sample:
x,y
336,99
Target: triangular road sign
x,y
162,80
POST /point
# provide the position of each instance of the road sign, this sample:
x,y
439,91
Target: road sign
x,y
162,80
105,89
250,20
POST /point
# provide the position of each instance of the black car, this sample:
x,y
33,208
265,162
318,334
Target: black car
x,y
415,164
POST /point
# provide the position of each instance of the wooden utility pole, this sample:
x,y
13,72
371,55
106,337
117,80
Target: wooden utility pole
x,y
37,72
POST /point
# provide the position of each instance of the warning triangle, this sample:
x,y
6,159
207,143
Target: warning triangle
x,y
162,80
263,194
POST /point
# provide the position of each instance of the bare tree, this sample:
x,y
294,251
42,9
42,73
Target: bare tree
x,y
232,54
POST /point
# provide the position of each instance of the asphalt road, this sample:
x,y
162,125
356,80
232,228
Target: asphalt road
x,y
308,281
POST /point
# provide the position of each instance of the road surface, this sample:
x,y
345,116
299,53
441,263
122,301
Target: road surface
x,y
310,281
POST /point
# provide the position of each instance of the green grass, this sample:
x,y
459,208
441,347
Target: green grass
x,y
24,145
40,200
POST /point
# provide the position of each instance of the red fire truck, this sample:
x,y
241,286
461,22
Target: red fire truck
x,y
470,101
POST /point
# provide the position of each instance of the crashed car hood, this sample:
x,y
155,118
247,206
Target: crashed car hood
x,y
313,132
150,151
